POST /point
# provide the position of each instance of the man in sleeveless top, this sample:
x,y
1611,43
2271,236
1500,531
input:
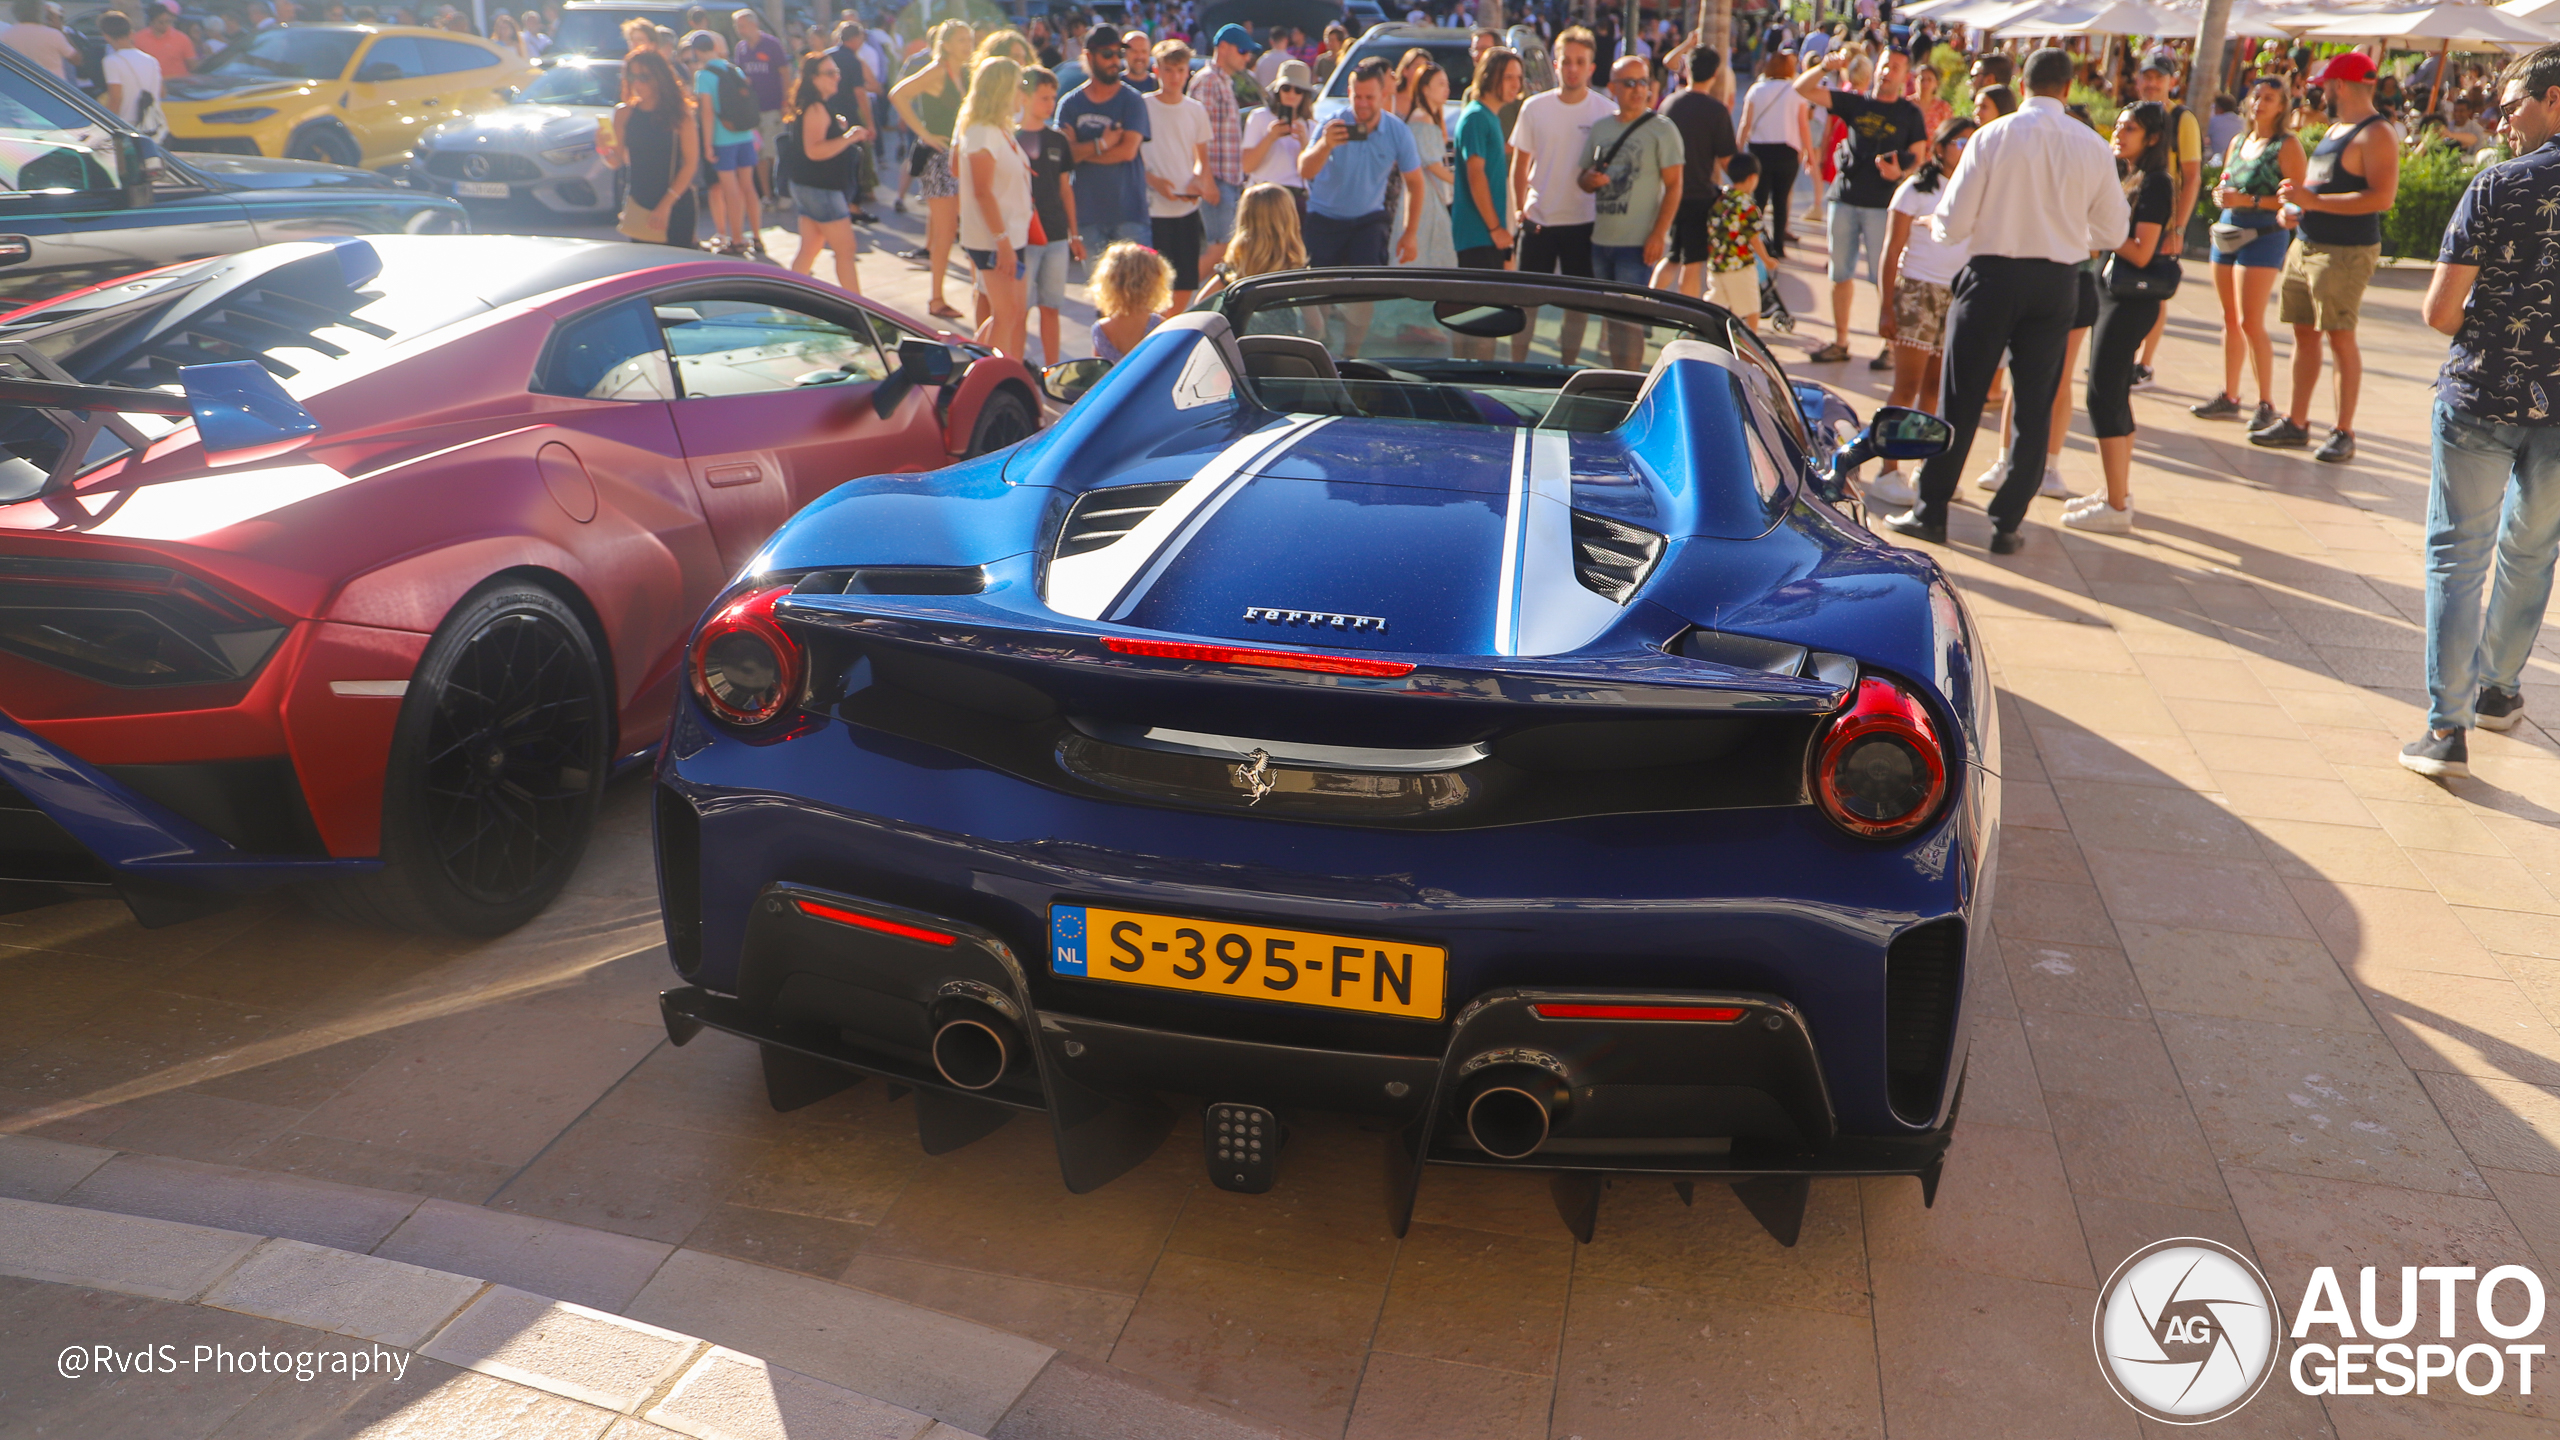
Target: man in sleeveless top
x,y
2493,505
2352,178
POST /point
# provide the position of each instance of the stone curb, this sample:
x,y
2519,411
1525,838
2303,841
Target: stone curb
x,y
826,1357
658,1376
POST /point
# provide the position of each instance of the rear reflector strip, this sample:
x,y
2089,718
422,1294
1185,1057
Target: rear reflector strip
x,y
859,921
1269,659
1706,1014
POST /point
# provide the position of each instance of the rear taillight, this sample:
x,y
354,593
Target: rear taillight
x,y
745,667
1878,771
129,625
1267,659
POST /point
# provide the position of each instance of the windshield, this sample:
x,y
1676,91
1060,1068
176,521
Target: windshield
x,y
1449,55
575,85
291,54
599,32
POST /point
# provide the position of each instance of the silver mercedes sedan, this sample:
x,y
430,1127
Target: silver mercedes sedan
x,y
543,145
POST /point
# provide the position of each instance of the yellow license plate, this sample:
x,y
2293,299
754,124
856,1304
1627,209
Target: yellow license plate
x,y
1252,962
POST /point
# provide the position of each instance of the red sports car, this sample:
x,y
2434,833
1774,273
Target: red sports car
x,y
398,656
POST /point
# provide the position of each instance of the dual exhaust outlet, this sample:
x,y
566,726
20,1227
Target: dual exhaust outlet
x,y
1510,1107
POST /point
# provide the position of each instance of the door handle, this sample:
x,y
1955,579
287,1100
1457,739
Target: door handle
x,y
746,474
16,249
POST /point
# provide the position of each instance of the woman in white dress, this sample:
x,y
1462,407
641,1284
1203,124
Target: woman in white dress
x,y
1431,139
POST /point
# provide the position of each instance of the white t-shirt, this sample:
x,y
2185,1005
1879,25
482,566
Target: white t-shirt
x,y
1280,163
1171,152
1927,258
1773,106
1551,133
139,74
1012,185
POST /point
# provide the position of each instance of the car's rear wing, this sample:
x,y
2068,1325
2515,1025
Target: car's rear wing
x,y
240,412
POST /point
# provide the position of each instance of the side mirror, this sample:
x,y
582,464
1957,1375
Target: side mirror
x,y
1896,433
1068,380
924,362
378,72
242,414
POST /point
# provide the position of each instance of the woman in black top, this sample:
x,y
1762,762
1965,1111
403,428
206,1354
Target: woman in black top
x,y
2142,153
818,157
657,145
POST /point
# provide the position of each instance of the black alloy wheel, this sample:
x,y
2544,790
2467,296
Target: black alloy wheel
x,y
497,767
1005,419
324,143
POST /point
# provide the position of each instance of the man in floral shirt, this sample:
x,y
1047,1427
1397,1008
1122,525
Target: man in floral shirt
x,y
1734,251
2497,438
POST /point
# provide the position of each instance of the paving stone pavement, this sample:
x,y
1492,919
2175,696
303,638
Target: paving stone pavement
x,y
2260,985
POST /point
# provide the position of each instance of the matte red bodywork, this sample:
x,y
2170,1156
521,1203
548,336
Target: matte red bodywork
x,y
638,511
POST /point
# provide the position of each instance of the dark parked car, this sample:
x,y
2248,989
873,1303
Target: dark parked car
x,y
84,199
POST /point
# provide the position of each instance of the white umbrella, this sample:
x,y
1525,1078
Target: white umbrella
x,y
1979,14
2448,26
2545,13
1926,9
2116,17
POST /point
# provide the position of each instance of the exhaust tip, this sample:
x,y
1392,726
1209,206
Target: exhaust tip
x,y
972,1054
1507,1122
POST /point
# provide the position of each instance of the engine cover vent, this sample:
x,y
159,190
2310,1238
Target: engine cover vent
x,y
1612,558
1102,517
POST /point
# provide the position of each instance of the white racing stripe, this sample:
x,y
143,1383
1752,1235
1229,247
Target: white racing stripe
x,y
1085,586
1544,608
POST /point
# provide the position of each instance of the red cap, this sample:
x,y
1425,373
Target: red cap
x,y
2354,67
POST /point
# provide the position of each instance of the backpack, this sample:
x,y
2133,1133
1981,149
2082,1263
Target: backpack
x,y
736,108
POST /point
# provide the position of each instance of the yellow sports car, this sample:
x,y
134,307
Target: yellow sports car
x,y
347,94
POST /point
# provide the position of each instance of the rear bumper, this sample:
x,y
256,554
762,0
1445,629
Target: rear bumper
x,y
78,829
1736,1102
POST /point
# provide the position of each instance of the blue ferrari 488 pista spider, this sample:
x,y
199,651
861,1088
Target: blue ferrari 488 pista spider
x,y
1361,703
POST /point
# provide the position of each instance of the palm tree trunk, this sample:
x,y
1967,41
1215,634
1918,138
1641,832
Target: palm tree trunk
x,y
2204,73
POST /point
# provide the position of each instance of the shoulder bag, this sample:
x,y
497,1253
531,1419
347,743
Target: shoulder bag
x,y
2155,281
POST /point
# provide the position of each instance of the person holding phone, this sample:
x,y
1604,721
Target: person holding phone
x,y
1275,135
1347,170
1106,124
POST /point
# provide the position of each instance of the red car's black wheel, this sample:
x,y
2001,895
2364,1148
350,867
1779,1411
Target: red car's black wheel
x,y
496,770
1004,419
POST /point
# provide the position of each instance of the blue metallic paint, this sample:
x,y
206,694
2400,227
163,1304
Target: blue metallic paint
x,y
1773,900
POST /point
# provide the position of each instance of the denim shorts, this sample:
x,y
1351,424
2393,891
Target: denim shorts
x,y
820,204
1853,228
1622,263
2266,252
1048,268
741,156
986,259
1218,221
1098,238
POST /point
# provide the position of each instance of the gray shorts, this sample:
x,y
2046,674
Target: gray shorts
x,y
1048,273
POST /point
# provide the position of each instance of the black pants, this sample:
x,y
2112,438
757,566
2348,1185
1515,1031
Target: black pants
x,y
2024,307
1331,241
1779,165
2113,347
1555,249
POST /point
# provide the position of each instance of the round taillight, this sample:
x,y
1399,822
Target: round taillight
x,y
1878,770
745,667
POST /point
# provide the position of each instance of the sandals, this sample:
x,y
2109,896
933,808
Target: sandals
x,y
1829,354
941,310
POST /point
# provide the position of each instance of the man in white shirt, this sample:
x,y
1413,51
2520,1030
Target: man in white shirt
x,y
44,44
133,77
2035,194
1176,155
1553,214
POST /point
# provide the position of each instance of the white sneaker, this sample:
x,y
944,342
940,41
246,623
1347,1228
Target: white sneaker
x,y
2101,517
1892,488
2053,488
2083,502
1991,478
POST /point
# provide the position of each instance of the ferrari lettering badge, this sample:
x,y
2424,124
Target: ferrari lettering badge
x,y
1272,616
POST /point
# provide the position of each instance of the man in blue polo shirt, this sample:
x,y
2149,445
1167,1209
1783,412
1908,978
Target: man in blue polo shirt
x,y
1346,171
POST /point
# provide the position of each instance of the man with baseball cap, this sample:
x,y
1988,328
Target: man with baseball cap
x,y
1230,52
2337,206
1106,123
